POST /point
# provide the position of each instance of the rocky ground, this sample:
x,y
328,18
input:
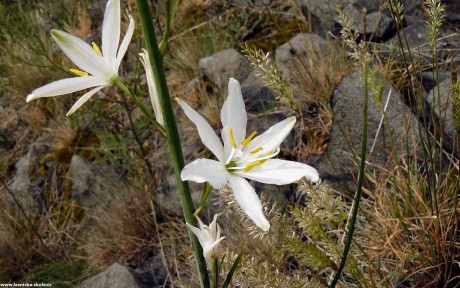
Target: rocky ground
x,y
30,168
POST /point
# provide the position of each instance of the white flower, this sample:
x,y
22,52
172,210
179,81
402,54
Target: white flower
x,y
209,237
152,86
97,68
243,157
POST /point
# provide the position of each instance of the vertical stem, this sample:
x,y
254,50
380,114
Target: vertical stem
x,y
362,164
215,272
172,134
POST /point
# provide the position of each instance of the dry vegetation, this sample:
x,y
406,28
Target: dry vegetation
x,y
404,238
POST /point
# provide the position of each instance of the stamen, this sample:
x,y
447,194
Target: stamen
x,y
247,140
96,48
270,155
232,140
78,72
255,150
250,166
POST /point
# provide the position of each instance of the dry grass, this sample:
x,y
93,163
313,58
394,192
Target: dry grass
x,y
401,240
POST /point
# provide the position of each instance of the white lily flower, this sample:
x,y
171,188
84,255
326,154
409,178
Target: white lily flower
x,y
145,59
243,157
97,68
209,237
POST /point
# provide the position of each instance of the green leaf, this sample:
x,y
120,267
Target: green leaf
x,y
233,269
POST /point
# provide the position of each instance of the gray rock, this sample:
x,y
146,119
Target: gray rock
x,y
441,109
83,181
116,276
32,171
326,11
300,47
420,46
378,26
413,11
452,11
167,195
339,166
219,67
257,97
152,272
429,79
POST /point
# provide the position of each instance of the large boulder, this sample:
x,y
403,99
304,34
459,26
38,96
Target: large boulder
x,y
291,55
416,36
440,109
219,67
116,276
32,172
256,95
327,12
378,26
385,144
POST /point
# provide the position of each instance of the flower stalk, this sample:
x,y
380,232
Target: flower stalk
x,y
172,134
362,164
141,106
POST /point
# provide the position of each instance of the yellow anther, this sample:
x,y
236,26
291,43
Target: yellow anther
x,y
78,72
255,150
230,133
247,140
251,165
96,48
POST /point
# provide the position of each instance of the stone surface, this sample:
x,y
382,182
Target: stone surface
x,y
32,171
379,26
257,97
326,11
300,46
219,67
167,196
452,11
340,165
116,276
152,272
441,108
84,179
420,47
429,79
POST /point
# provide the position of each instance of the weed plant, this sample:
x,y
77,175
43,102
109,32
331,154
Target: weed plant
x,y
406,227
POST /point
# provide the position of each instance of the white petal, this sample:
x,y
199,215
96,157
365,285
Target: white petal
x,y
213,226
234,116
207,251
111,32
249,201
281,172
82,55
125,43
145,59
83,99
205,170
271,139
65,86
207,134
198,233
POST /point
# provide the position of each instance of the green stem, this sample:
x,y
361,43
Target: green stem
x,y
141,105
172,134
362,164
215,273
164,41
